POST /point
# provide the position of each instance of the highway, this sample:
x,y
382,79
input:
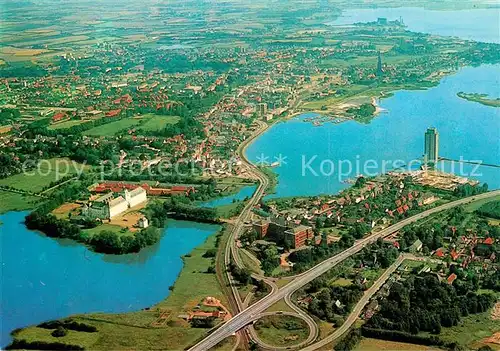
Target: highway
x,y
246,316
367,296
312,333
355,313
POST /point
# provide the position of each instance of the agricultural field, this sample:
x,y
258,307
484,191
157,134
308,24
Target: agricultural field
x,y
12,51
368,344
472,330
46,172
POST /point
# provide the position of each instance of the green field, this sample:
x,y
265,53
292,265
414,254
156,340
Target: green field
x,y
471,330
147,122
368,344
112,128
156,122
280,330
66,124
45,173
476,204
16,202
133,331
342,282
229,210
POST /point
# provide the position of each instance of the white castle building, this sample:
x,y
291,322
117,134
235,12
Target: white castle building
x,y
107,206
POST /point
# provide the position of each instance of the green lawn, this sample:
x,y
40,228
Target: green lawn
x,y
133,331
371,274
147,122
280,330
229,210
113,128
46,172
67,124
157,122
342,282
280,306
16,202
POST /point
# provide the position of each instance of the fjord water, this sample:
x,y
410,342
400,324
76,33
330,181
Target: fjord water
x,y
478,25
44,279
467,129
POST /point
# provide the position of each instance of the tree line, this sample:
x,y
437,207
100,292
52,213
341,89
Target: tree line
x,y
105,241
423,303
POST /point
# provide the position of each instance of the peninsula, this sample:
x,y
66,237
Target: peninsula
x,y
483,99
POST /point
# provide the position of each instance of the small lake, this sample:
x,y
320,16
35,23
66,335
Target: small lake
x,y
242,194
44,279
467,129
479,25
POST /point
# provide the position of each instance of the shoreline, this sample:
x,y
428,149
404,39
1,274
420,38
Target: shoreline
x,y
482,99
194,254
434,82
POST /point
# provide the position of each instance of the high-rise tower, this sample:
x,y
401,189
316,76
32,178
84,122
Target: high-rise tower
x,y
431,149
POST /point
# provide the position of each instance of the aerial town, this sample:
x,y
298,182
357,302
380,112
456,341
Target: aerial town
x,y
155,193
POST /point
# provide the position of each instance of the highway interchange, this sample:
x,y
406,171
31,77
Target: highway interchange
x,y
246,316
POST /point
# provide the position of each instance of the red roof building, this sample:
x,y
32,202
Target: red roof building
x,y
439,253
58,116
113,113
451,278
488,241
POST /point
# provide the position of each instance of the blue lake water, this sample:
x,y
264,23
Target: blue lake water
x,y
479,25
245,192
45,279
467,129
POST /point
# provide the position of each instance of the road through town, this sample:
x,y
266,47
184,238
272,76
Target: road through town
x,y
246,316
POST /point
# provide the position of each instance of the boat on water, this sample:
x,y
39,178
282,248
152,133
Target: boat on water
x,y
349,181
275,164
